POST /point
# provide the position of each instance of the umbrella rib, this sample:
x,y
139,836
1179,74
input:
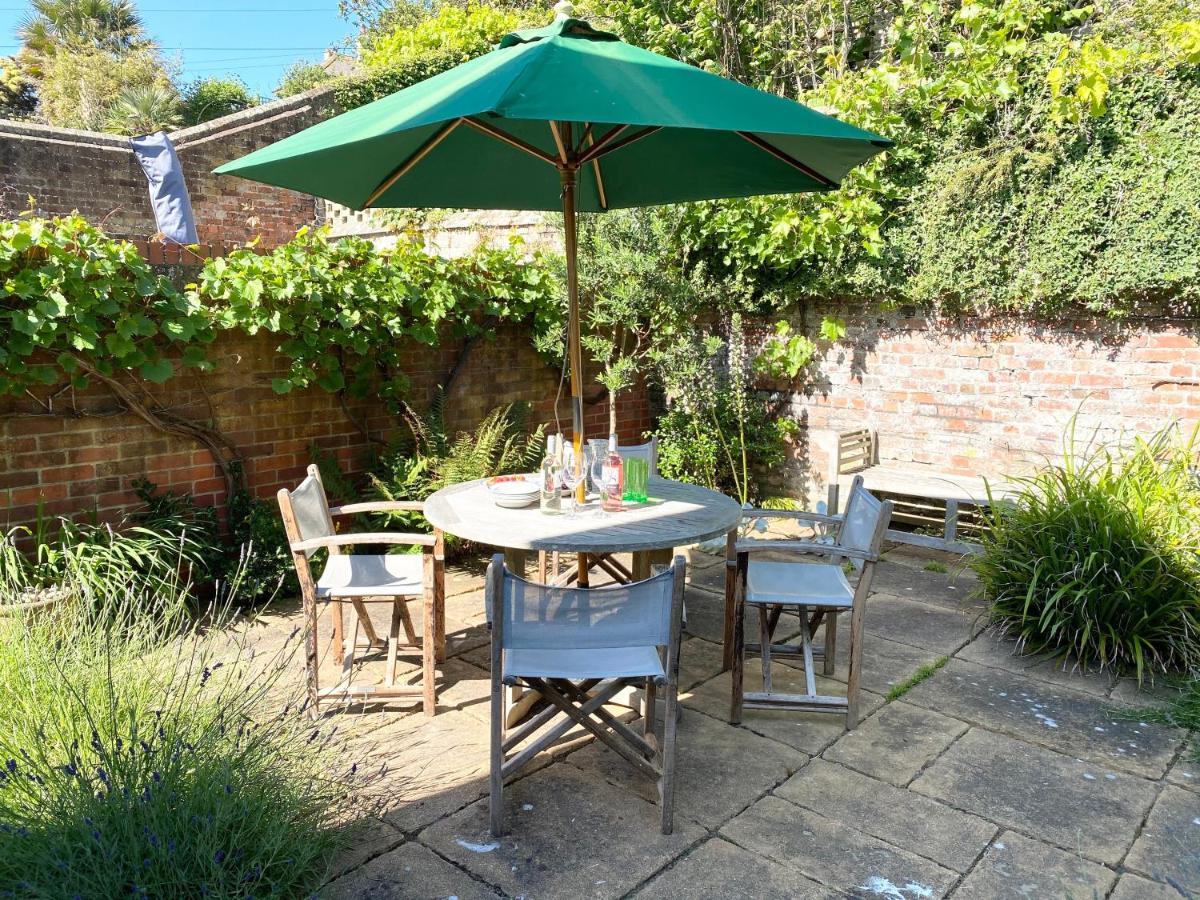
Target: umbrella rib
x,y
405,167
558,141
509,139
596,170
612,146
604,139
787,158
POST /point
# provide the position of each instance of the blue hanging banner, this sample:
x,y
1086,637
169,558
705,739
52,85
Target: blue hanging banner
x,y
168,192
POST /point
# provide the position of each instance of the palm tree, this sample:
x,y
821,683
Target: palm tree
x,y
144,109
111,25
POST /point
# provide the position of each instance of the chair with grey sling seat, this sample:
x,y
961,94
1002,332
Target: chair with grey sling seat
x,y
578,648
771,585
359,579
550,563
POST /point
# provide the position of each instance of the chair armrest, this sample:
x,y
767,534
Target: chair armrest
x,y
365,537
802,515
805,547
350,509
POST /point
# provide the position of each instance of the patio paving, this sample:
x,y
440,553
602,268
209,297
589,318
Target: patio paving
x,y
998,776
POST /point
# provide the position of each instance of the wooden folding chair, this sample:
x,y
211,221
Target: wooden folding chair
x,y
770,586
579,647
358,579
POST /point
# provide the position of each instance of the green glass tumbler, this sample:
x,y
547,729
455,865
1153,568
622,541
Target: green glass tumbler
x,y
637,473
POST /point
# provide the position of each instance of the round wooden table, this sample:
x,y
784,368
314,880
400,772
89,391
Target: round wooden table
x,y
676,514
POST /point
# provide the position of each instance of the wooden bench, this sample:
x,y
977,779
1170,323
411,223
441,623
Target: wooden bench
x,y
924,497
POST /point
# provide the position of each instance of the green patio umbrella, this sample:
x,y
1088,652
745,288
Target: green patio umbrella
x,y
565,117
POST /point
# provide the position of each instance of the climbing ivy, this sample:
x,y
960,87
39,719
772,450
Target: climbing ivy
x,y
74,301
346,311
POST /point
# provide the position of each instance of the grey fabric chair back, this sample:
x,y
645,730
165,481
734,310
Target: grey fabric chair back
x,y
311,510
647,451
613,617
863,525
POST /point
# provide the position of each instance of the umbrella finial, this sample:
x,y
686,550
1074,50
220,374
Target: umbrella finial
x,y
563,10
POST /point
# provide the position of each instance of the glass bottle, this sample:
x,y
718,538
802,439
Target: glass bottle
x,y
612,479
551,499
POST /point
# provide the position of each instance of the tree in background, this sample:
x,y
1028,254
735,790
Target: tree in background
x,y
50,25
144,109
301,76
210,98
81,88
18,99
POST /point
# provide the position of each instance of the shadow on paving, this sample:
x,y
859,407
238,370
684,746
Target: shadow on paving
x,y
950,791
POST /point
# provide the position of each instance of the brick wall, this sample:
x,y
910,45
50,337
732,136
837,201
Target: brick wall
x,y
90,462
97,174
988,398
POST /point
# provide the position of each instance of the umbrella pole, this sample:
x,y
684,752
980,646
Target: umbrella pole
x,y
574,349
569,178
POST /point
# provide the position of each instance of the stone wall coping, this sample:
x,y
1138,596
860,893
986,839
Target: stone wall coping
x,y
255,115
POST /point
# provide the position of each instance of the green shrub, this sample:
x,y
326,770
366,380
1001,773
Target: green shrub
x,y
210,98
155,559
301,76
1099,556
139,759
433,458
260,560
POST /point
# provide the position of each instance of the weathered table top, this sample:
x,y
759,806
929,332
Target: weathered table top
x,y
676,514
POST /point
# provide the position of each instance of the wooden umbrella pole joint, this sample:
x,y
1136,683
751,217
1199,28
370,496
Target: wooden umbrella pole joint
x,y
569,176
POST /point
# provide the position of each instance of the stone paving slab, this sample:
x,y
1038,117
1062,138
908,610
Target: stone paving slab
x,y
424,768
1055,798
1131,887
1017,868
1186,772
705,614
808,732
917,624
896,743
833,853
1168,848
569,834
719,870
1068,721
955,589
369,837
719,770
885,663
924,827
991,650
410,872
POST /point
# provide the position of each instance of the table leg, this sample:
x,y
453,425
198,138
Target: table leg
x,y
582,570
730,575
641,565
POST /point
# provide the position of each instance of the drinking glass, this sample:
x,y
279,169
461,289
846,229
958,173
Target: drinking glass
x,y
573,476
637,472
596,457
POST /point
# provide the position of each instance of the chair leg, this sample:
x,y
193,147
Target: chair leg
x,y
496,801
810,677
394,640
738,648
339,626
410,633
764,632
667,789
830,647
312,661
429,642
648,707
855,673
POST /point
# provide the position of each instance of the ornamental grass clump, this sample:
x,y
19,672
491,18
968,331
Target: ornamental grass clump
x,y
141,756
1099,556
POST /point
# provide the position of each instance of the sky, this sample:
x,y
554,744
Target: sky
x,y
255,39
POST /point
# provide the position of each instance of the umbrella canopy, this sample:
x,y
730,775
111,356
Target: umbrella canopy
x,y
641,128
565,117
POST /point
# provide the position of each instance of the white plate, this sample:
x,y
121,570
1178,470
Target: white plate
x,y
515,502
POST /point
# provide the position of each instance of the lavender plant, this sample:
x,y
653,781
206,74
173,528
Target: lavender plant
x,y
142,757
